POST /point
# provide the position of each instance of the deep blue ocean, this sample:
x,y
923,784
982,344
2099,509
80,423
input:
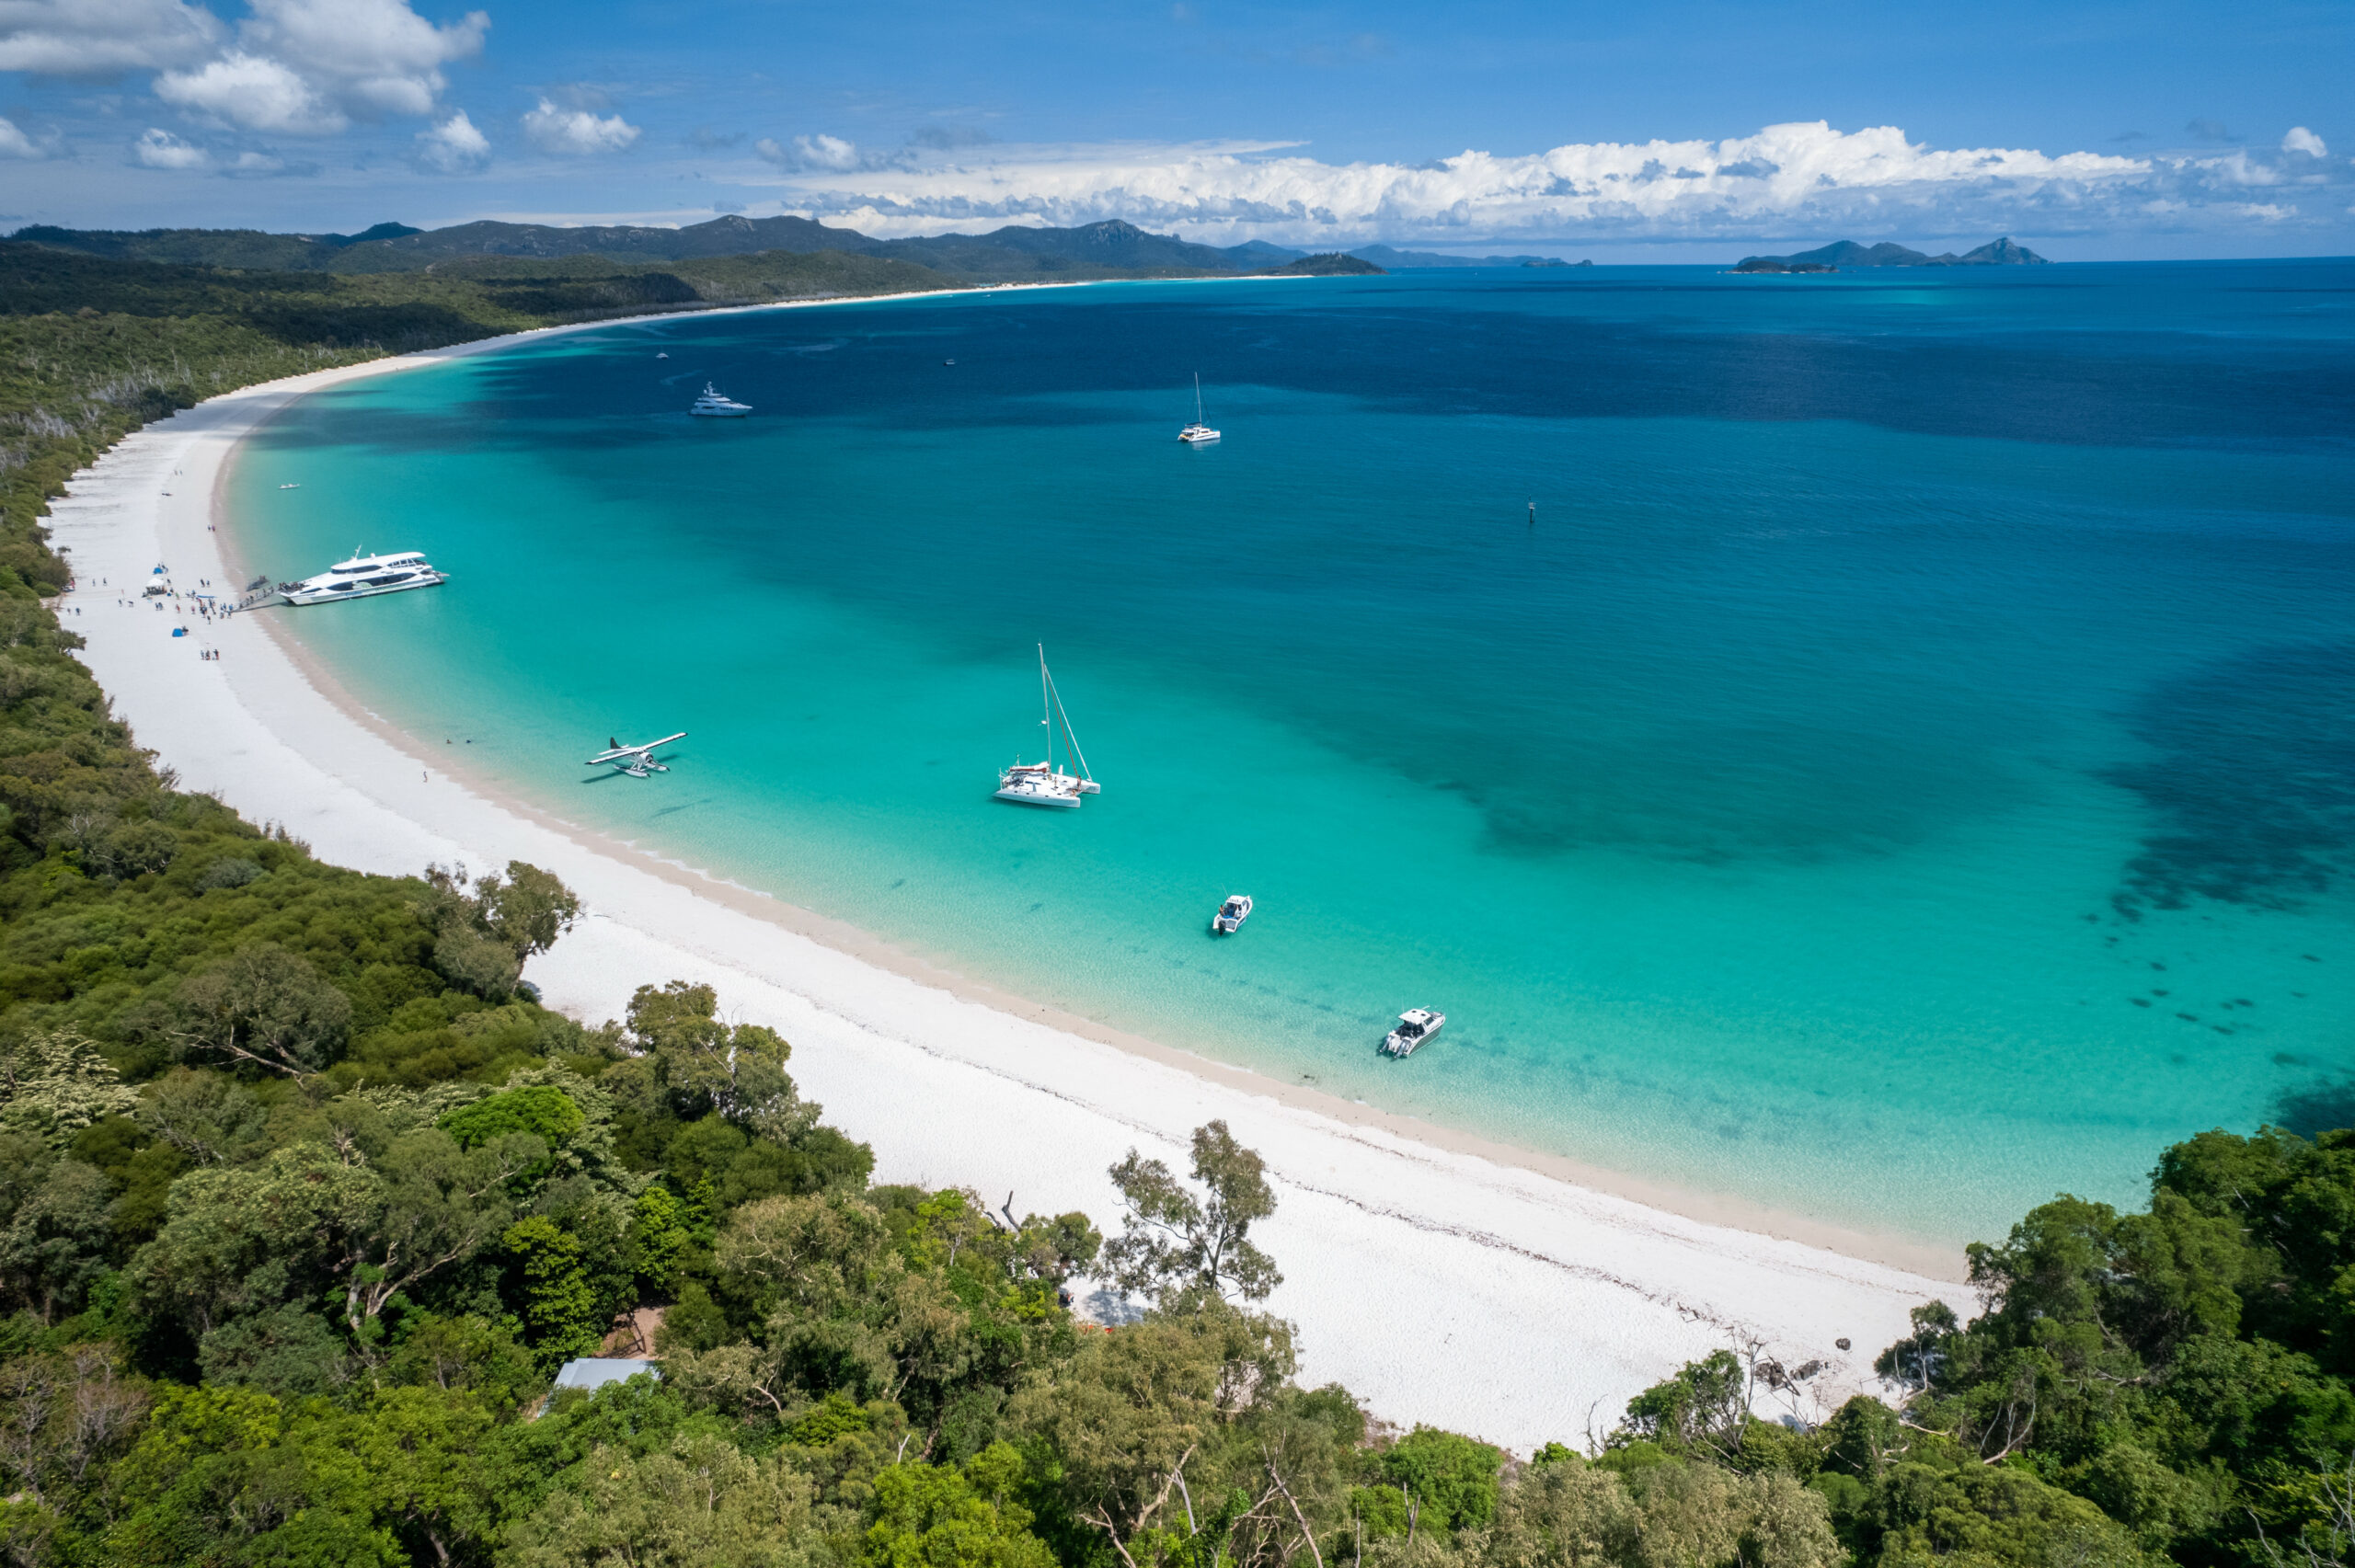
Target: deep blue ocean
x,y
1906,770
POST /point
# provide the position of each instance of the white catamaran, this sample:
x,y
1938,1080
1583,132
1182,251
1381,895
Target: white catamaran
x,y
1198,433
1044,784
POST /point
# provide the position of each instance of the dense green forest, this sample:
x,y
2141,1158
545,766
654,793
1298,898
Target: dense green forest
x,y
304,1198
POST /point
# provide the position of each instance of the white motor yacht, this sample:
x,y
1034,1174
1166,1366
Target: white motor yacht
x,y
1197,433
717,405
1044,783
361,577
1415,1026
1232,914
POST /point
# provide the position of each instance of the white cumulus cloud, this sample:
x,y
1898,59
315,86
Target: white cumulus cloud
x,y
253,91
94,38
300,67
2301,139
811,152
160,149
1796,179
576,132
15,143
373,56
454,145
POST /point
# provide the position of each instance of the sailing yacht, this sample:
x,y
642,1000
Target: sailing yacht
x,y
717,405
1044,783
1198,433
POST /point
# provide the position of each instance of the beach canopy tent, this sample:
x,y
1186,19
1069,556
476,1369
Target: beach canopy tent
x,y
594,1372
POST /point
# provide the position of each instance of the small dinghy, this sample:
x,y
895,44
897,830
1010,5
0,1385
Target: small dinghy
x,y
1415,1026
1232,914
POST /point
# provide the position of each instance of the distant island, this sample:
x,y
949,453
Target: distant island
x,y
1848,253
1328,264
1383,256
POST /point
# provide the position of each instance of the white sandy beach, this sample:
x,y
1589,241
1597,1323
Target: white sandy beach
x,y
1443,1281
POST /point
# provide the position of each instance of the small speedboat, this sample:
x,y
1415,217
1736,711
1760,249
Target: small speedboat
x,y
1415,1025
1232,914
717,405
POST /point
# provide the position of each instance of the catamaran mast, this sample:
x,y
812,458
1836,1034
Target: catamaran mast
x,y
1198,397
1046,708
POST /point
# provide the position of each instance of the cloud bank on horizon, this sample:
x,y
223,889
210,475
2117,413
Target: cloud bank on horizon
x,y
360,93
1781,178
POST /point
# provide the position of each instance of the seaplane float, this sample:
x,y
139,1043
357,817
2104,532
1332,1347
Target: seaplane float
x,y
637,761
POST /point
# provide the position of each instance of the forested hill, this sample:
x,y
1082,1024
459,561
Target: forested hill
x,y
304,1199
1111,249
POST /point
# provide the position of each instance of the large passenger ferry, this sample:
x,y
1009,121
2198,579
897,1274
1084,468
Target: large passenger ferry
x,y
361,576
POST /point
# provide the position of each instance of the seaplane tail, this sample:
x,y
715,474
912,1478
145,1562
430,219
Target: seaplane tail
x,y
637,761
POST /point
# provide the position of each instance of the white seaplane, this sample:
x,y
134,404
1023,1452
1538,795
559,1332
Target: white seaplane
x,y
637,761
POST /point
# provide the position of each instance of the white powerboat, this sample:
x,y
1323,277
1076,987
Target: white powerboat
x,y
1197,433
1232,914
717,405
362,577
1415,1026
1044,783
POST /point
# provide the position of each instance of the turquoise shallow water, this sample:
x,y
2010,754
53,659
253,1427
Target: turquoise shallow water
x,y
1907,770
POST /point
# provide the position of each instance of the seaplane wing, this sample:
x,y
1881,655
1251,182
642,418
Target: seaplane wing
x,y
621,756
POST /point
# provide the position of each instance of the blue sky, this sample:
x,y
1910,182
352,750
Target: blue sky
x,y
1677,130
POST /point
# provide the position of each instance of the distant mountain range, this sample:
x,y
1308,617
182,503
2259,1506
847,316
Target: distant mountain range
x,y
1848,253
1013,254
1113,249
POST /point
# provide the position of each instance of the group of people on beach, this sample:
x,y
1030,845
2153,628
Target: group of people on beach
x,y
204,607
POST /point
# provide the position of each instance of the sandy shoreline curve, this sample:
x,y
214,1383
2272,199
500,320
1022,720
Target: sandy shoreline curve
x,y
1518,1296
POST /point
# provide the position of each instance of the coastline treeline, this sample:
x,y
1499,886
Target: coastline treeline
x,y
304,1199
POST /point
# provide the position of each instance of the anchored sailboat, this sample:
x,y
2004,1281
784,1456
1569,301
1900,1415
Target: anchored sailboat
x,y
1044,783
1197,433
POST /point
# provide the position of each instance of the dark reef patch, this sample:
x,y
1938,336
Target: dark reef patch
x,y
2318,1107
2250,779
